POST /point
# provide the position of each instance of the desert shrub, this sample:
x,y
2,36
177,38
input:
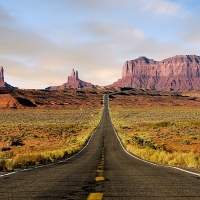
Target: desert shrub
x,y
149,144
6,149
139,141
16,141
187,142
162,124
10,164
2,165
3,155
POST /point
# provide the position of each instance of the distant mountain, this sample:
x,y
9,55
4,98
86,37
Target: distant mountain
x,y
2,82
176,73
73,82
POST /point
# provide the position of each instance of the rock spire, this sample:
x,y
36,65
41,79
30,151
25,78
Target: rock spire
x,y
73,82
2,82
1,74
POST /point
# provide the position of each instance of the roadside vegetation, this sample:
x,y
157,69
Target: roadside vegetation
x,y
31,137
167,135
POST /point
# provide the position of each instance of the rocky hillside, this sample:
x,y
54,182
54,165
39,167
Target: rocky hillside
x,y
176,73
3,84
68,98
73,82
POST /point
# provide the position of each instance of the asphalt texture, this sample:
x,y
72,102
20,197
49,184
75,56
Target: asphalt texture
x,y
103,170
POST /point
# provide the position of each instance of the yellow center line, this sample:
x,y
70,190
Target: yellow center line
x,y
99,170
99,178
95,196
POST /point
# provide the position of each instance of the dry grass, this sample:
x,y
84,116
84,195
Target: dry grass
x,y
168,135
37,136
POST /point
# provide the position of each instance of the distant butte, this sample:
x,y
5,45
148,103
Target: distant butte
x,y
180,72
73,82
3,84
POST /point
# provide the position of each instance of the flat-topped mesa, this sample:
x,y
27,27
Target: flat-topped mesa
x,y
176,73
73,82
128,69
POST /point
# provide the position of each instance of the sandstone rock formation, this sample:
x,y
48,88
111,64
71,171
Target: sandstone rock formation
x,y
8,101
2,82
176,73
73,82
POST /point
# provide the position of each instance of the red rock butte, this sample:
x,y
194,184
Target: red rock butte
x,y
2,82
175,73
73,82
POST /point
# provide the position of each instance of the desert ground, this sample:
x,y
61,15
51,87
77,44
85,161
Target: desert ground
x,y
39,126
162,127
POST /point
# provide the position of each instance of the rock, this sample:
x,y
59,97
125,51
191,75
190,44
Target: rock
x,y
8,101
176,73
73,82
1,77
2,82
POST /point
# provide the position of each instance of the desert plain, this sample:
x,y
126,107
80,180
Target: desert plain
x,y
39,126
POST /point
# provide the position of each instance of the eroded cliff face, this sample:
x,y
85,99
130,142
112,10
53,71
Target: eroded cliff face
x,y
176,73
73,82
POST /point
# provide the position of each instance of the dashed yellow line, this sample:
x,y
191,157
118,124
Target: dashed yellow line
x,y
99,178
95,196
100,167
98,195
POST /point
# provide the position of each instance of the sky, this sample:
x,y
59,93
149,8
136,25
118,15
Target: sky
x,y
41,41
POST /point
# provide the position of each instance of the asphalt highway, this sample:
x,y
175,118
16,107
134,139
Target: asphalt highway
x,y
103,170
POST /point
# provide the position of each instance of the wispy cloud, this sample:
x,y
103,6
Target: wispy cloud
x,y
160,7
4,16
190,31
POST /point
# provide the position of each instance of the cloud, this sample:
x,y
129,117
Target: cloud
x,y
160,7
4,16
112,33
190,31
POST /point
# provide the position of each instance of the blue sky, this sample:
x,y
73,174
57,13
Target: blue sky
x,y
43,40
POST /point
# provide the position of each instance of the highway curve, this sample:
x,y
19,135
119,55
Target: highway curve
x,y
103,170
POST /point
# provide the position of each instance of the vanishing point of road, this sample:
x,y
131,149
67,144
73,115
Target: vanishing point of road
x,y
102,170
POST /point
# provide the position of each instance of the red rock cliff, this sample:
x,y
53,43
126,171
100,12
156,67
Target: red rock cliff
x,y
176,73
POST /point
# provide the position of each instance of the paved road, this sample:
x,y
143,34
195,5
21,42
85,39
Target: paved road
x,y
101,170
